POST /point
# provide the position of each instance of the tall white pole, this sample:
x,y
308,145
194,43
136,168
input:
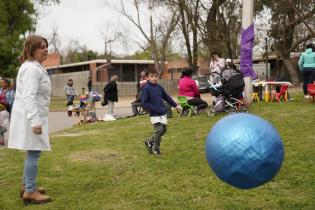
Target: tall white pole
x,y
247,20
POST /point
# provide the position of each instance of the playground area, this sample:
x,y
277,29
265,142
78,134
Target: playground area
x,y
101,166
157,105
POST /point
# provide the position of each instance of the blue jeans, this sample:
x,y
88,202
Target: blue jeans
x,y
70,99
30,170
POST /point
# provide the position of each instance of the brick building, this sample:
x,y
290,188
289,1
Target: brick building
x,y
100,71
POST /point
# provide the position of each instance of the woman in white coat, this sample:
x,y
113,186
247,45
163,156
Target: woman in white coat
x,y
29,119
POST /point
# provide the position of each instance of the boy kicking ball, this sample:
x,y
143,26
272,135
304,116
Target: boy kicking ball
x,y
152,99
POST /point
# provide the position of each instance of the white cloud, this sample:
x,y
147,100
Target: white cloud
x,y
83,20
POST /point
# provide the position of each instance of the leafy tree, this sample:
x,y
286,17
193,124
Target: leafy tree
x,y
207,26
17,19
141,55
289,23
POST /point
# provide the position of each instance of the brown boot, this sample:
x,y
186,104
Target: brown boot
x,y
35,197
41,190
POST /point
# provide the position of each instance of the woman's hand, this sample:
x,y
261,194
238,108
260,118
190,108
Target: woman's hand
x,y
37,129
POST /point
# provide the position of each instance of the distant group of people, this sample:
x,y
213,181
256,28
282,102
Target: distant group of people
x,y
110,97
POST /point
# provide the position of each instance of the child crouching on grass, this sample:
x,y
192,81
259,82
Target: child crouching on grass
x,y
152,99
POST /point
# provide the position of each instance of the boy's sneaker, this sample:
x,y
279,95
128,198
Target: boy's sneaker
x,y
148,146
156,151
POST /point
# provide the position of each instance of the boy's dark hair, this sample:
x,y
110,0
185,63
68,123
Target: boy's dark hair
x,y
310,45
152,71
70,80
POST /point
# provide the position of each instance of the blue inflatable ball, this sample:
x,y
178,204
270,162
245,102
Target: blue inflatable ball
x,y
244,150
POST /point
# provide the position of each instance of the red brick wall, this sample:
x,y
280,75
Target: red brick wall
x,y
53,59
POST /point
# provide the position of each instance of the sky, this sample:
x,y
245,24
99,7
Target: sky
x,y
83,21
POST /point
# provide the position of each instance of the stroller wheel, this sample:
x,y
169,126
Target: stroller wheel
x,y
243,109
231,110
211,112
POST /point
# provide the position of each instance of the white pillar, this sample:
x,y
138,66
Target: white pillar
x,y
247,13
247,20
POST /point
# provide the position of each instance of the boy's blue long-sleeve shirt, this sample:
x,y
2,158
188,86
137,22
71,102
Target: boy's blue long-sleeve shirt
x,y
152,99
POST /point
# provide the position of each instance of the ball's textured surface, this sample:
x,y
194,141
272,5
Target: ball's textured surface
x,y
244,150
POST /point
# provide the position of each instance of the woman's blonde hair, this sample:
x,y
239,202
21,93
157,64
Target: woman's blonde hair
x,y
31,44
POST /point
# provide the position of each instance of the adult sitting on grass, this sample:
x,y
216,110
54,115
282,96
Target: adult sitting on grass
x,y
187,87
29,119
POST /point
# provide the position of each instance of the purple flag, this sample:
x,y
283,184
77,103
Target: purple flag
x,y
247,44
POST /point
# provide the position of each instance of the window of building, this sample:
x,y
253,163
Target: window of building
x,y
128,73
100,75
115,70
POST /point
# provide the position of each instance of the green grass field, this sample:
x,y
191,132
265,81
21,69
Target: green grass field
x,y
106,166
59,103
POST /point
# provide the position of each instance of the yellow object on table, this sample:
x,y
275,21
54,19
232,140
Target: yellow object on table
x,y
255,97
267,96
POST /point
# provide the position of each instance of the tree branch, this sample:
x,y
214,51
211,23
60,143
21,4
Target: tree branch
x,y
298,42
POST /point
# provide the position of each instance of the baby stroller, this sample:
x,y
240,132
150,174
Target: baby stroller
x,y
228,92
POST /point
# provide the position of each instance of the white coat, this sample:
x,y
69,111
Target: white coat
x,y
30,108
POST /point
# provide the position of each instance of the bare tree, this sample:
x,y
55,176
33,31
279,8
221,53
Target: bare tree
x,y
110,37
189,18
54,40
208,24
158,36
287,17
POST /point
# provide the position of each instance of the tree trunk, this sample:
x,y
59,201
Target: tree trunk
x,y
185,31
214,29
294,76
194,26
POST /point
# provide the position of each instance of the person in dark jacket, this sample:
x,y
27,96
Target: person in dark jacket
x,y
89,84
111,96
152,99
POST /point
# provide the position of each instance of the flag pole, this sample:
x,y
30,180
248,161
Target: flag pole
x,y
247,43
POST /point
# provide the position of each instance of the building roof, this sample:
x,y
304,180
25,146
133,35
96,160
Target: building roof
x,y
256,58
103,61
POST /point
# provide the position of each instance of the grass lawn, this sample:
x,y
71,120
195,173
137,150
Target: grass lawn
x,y
106,166
59,103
